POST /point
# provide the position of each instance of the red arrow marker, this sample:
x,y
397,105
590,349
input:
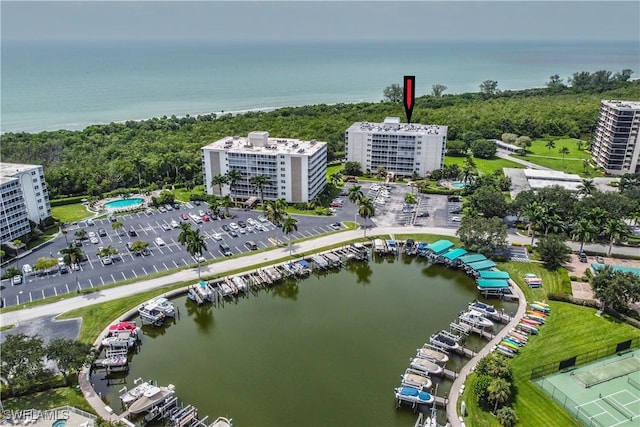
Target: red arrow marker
x,y
409,95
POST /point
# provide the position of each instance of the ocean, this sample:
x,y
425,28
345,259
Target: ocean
x,y
70,85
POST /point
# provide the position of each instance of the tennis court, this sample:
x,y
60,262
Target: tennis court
x,y
604,393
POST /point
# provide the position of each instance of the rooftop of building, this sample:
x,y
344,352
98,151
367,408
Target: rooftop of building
x,y
551,175
11,169
626,105
260,143
393,125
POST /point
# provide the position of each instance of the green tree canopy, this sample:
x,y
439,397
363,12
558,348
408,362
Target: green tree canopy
x,y
484,235
553,251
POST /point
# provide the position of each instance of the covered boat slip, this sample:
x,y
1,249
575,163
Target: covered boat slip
x,y
492,284
454,254
440,247
494,274
470,258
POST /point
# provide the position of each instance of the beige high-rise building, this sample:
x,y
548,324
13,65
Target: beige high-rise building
x,y
296,169
616,148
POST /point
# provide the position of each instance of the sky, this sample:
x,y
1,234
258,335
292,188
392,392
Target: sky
x,y
250,21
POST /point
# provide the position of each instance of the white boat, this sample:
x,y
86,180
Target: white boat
x,y
415,378
161,304
484,309
120,340
475,318
151,397
225,289
445,340
129,396
240,283
273,273
222,422
110,362
413,395
151,315
425,365
427,352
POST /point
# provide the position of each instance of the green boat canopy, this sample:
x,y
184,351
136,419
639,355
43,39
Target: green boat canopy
x,y
455,253
440,246
467,259
492,284
482,265
492,274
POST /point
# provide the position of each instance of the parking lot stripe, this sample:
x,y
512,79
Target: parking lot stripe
x,y
67,286
4,302
101,279
155,268
145,271
113,278
17,299
165,266
134,273
43,294
176,264
30,297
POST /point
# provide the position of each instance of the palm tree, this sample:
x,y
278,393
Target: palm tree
x,y
366,210
289,225
534,212
219,180
585,165
214,204
587,188
410,198
45,264
336,179
354,195
107,251
564,151
274,210
17,244
117,226
499,392
583,231
185,233
72,255
226,202
550,144
233,176
81,234
616,229
507,416
259,182
139,246
195,245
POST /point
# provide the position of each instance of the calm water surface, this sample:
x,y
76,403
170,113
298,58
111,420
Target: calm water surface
x,y
327,350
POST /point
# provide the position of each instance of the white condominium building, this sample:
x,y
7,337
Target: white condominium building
x,y
296,169
23,197
616,148
397,147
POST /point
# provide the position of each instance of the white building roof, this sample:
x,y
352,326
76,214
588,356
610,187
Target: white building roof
x,y
395,127
260,143
536,184
11,169
625,105
536,174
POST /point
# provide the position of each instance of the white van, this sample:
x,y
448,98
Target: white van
x,y
159,241
26,269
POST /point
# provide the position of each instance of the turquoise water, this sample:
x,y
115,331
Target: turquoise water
x,y
124,203
458,185
51,85
59,423
324,351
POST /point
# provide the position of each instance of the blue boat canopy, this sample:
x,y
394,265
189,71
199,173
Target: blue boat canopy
x,y
440,246
455,253
482,265
467,259
492,284
422,245
303,263
494,274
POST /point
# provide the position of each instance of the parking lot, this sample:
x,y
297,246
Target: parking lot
x,y
165,254
160,230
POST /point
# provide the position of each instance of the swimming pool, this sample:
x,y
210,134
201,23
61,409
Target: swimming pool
x,y
458,184
59,423
124,203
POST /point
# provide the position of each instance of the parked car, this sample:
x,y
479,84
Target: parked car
x,y
583,257
206,218
233,226
90,222
159,241
162,209
233,233
599,259
176,206
168,207
132,232
106,260
166,227
216,236
102,232
77,243
146,252
251,245
336,226
174,223
225,249
242,224
94,240
184,217
335,205
27,269
129,245
455,219
199,258
226,228
112,218
262,218
16,280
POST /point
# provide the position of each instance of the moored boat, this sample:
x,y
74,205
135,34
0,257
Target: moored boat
x,y
124,326
161,304
127,397
505,350
413,395
425,365
430,352
444,340
541,308
528,328
151,397
415,378
485,309
240,283
222,422
475,318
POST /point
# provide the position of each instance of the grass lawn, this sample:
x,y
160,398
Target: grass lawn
x,y
569,331
539,154
429,238
484,166
183,195
334,169
551,280
49,399
70,213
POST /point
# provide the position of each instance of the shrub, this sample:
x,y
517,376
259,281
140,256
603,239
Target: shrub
x,y
67,201
588,274
584,279
573,278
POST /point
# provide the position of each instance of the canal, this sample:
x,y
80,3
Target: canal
x,y
325,350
